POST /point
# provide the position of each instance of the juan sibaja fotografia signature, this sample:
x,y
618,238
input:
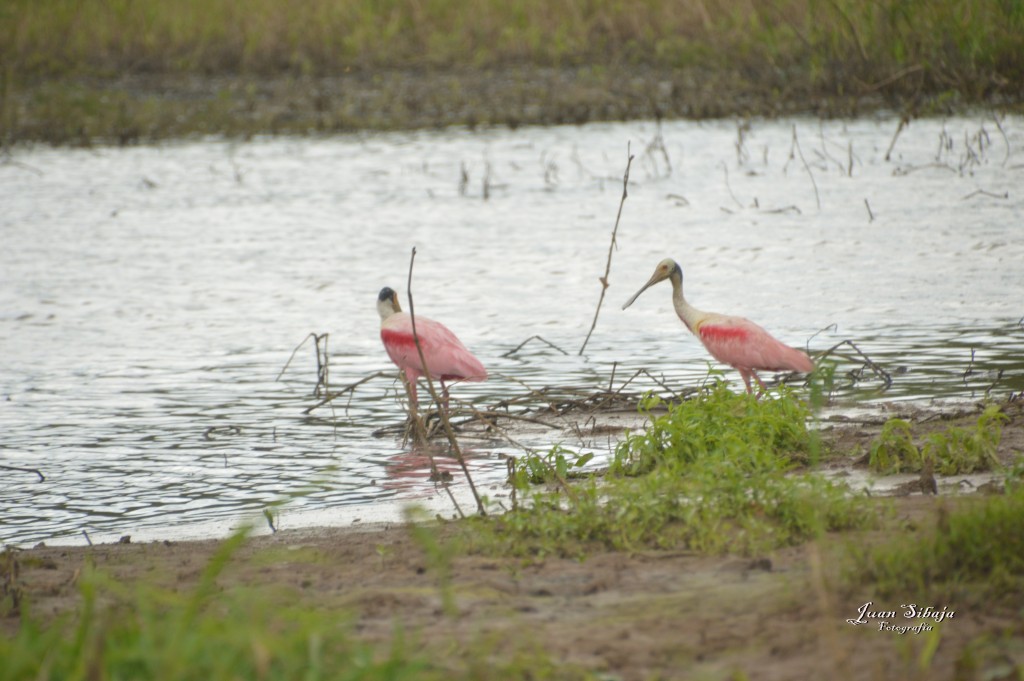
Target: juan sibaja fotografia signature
x,y
888,620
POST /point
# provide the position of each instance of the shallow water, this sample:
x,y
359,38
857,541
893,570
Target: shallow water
x,y
151,295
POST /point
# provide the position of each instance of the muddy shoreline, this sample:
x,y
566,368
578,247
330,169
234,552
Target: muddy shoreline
x,y
145,108
640,615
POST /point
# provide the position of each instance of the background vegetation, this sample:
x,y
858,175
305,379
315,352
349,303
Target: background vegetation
x,y
649,57
967,44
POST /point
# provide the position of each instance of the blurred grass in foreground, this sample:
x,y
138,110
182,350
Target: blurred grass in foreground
x,y
218,632
974,554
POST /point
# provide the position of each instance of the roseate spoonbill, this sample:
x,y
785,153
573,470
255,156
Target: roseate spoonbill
x,y
735,341
447,358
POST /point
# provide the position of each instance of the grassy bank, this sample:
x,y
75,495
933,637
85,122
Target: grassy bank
x,y
79,70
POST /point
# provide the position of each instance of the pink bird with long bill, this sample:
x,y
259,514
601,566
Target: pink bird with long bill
x,y
446,357
735,341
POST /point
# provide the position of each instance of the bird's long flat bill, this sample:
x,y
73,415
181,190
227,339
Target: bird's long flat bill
x,y
636,295
658,276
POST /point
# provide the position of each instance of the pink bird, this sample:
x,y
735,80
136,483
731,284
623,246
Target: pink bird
x,y
447,358
735,341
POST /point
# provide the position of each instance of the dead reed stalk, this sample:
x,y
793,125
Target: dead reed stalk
x,y
437,399
796,146
322,370
611,249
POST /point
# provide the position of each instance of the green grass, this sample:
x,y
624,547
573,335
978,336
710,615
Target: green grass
x,y
756,58
715,474
321,36
975,553
142,631
955,451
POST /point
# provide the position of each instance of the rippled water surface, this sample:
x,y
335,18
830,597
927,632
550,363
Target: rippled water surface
x,y
150,296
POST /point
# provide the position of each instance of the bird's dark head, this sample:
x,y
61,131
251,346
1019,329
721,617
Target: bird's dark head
x,y
387,303
666,269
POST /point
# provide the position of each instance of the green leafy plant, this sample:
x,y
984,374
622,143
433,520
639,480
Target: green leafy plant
x,y
967,450
558,464
894,450
770,432
713,474
955,451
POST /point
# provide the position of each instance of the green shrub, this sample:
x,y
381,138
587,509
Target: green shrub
x,y
714,474
954,451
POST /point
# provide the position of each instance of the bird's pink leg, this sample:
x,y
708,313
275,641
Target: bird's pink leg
x,y
444,393
410,379
746,378
764,388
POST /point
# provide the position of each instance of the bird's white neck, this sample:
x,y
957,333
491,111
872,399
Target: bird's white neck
x,y
688,313
385,308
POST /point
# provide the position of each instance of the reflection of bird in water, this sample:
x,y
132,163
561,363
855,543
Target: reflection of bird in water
x,y
419,467
735,341
446,357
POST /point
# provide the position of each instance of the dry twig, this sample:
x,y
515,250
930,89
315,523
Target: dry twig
x,y
42,478
796,145
868,362
321,362
725,169
1006,140
904,122
982,192
437,399
349,389
611,249
871,215
541,339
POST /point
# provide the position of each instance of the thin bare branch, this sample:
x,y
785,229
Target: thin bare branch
x,y
725,169
868,362
982,192
904,122
292,356
1006,140
796,145
437,399
42,478
348,389
611,249
539,338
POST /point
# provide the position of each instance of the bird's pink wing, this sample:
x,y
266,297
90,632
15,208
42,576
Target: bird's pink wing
x,y
743,344
447,358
